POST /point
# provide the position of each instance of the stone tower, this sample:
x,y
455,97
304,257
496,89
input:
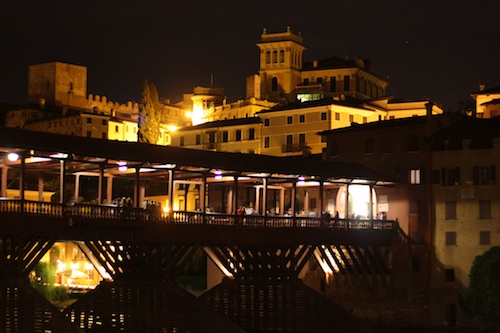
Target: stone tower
x,y
57,84
280,64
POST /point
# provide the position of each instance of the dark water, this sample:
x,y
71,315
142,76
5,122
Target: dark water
x,y
421,330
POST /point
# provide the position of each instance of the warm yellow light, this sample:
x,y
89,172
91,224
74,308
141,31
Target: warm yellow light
x,y
197,116
189,114
172,128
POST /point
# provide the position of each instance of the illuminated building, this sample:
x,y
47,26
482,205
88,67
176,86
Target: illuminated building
x,y
292,102
446,202
58,103
284,75
487,102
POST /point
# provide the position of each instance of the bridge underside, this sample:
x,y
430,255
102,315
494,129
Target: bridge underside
x,y
263,293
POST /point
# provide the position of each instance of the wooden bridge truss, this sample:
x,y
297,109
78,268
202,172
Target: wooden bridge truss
x,y
143,253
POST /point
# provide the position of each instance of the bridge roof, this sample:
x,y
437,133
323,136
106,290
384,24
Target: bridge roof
x,y
83,150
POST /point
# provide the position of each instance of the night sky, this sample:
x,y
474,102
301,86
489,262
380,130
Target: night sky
x,y
441,49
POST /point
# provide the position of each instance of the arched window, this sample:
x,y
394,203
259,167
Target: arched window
x,y
268,57
275,57
274,84
282,55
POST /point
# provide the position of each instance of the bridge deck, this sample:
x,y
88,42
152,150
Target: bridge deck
x,y
85,221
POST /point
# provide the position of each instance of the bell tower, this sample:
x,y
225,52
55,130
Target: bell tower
x,y
280,64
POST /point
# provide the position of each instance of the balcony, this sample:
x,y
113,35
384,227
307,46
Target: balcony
x,y
295,147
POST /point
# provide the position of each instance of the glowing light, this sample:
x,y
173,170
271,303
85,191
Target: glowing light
x,y
172,128
122,166
218,174
189,114
13,157
166,166
59,155
301,181
197,115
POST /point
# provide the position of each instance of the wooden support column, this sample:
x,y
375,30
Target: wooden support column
x,y
282,202
203,198
264,197
137,190
170,191
5,173
100,185
22,177
257,199
346,202
292,201
235,199
306,201
370,209
321,198
40,186
62,180
77,187
109,189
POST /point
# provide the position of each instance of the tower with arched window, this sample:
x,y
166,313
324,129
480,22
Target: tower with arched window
x,y
280,64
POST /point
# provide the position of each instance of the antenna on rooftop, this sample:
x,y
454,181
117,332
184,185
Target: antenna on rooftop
x,y
211,80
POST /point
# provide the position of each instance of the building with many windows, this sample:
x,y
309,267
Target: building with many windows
x,y
447,201
292,101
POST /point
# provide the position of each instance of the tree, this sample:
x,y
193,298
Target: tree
x,y
149,115
482,298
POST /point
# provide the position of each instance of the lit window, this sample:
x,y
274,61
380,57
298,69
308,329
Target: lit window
x,y
415,175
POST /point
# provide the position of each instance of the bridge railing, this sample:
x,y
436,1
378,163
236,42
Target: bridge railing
x,y
109,212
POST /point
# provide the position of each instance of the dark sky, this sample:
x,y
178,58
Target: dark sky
x,y
441,49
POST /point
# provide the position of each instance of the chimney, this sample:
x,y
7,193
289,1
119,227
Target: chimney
x,y
315,63
482,87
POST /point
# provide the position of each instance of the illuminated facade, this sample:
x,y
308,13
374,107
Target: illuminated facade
x,y
57,93
447,201
283,76
466,196
292,102
487,102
